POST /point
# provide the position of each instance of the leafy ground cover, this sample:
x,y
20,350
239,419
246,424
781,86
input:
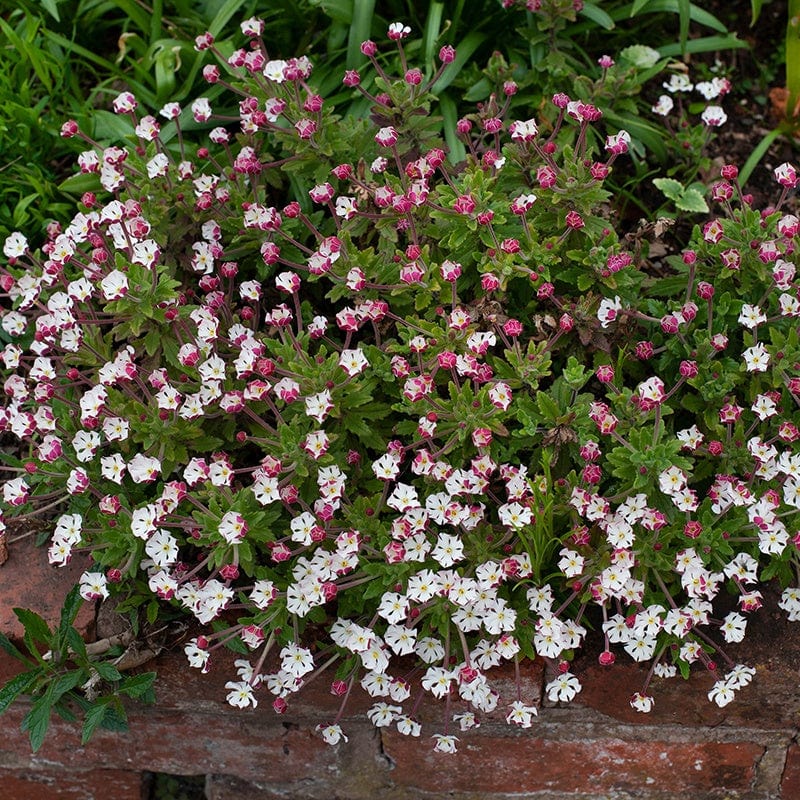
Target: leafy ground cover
x,y
370,348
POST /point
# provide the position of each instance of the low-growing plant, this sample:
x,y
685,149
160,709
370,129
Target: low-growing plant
x,y
64,674
305,378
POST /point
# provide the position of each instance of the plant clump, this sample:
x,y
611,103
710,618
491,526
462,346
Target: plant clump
x,y
348,404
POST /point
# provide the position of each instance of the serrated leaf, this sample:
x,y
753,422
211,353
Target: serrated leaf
x,y
140,687
69,611
18,685
94,717
670,187
34,625
37,720
66,683
692,200
108,672
9,647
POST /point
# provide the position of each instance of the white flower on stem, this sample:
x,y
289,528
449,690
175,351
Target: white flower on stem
x,y
714,116
790,603
401,639
564,688
756,358
232,527
241,694
93,586
408,726
331,734
448,550
608,311
381,715
750,316
740,676
162,547
393,607
296,660
445,744
721,693
114,286
663,106
521,715
196,656
640,648
353,362
437,681
642,702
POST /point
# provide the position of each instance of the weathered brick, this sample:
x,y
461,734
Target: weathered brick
x,y
790,782
28,581
493,764
87,785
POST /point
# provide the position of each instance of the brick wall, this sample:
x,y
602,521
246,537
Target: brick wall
x,y
596,747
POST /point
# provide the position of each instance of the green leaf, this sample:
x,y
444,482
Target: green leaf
x,y
547,407
94,717
78,184
18,685
34,625
684,11
37,720
637,6
597,15
108,672
757,154
66,683
464,49
360,30
430,34
692,200
706,44
9,647
69,611
670,187
140,687
755,10
51,7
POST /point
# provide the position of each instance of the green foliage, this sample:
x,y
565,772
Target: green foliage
x,y
59,673
308,354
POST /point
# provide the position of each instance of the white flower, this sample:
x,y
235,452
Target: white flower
x,y
332,734
445,744
756,358
241,694
93,586
162,547
721,693
563,689
381,715
608,311
521,715
664,105
15,245
296,660
714,116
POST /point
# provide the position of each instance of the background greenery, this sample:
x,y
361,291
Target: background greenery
x,y
63,59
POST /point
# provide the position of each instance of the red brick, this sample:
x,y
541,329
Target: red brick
x,y
790,781
525,763
90,785
177,743
28,581
770,702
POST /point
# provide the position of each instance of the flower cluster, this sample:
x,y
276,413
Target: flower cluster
x,y
274,386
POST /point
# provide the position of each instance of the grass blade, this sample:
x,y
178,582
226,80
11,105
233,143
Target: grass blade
x,y
360,30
